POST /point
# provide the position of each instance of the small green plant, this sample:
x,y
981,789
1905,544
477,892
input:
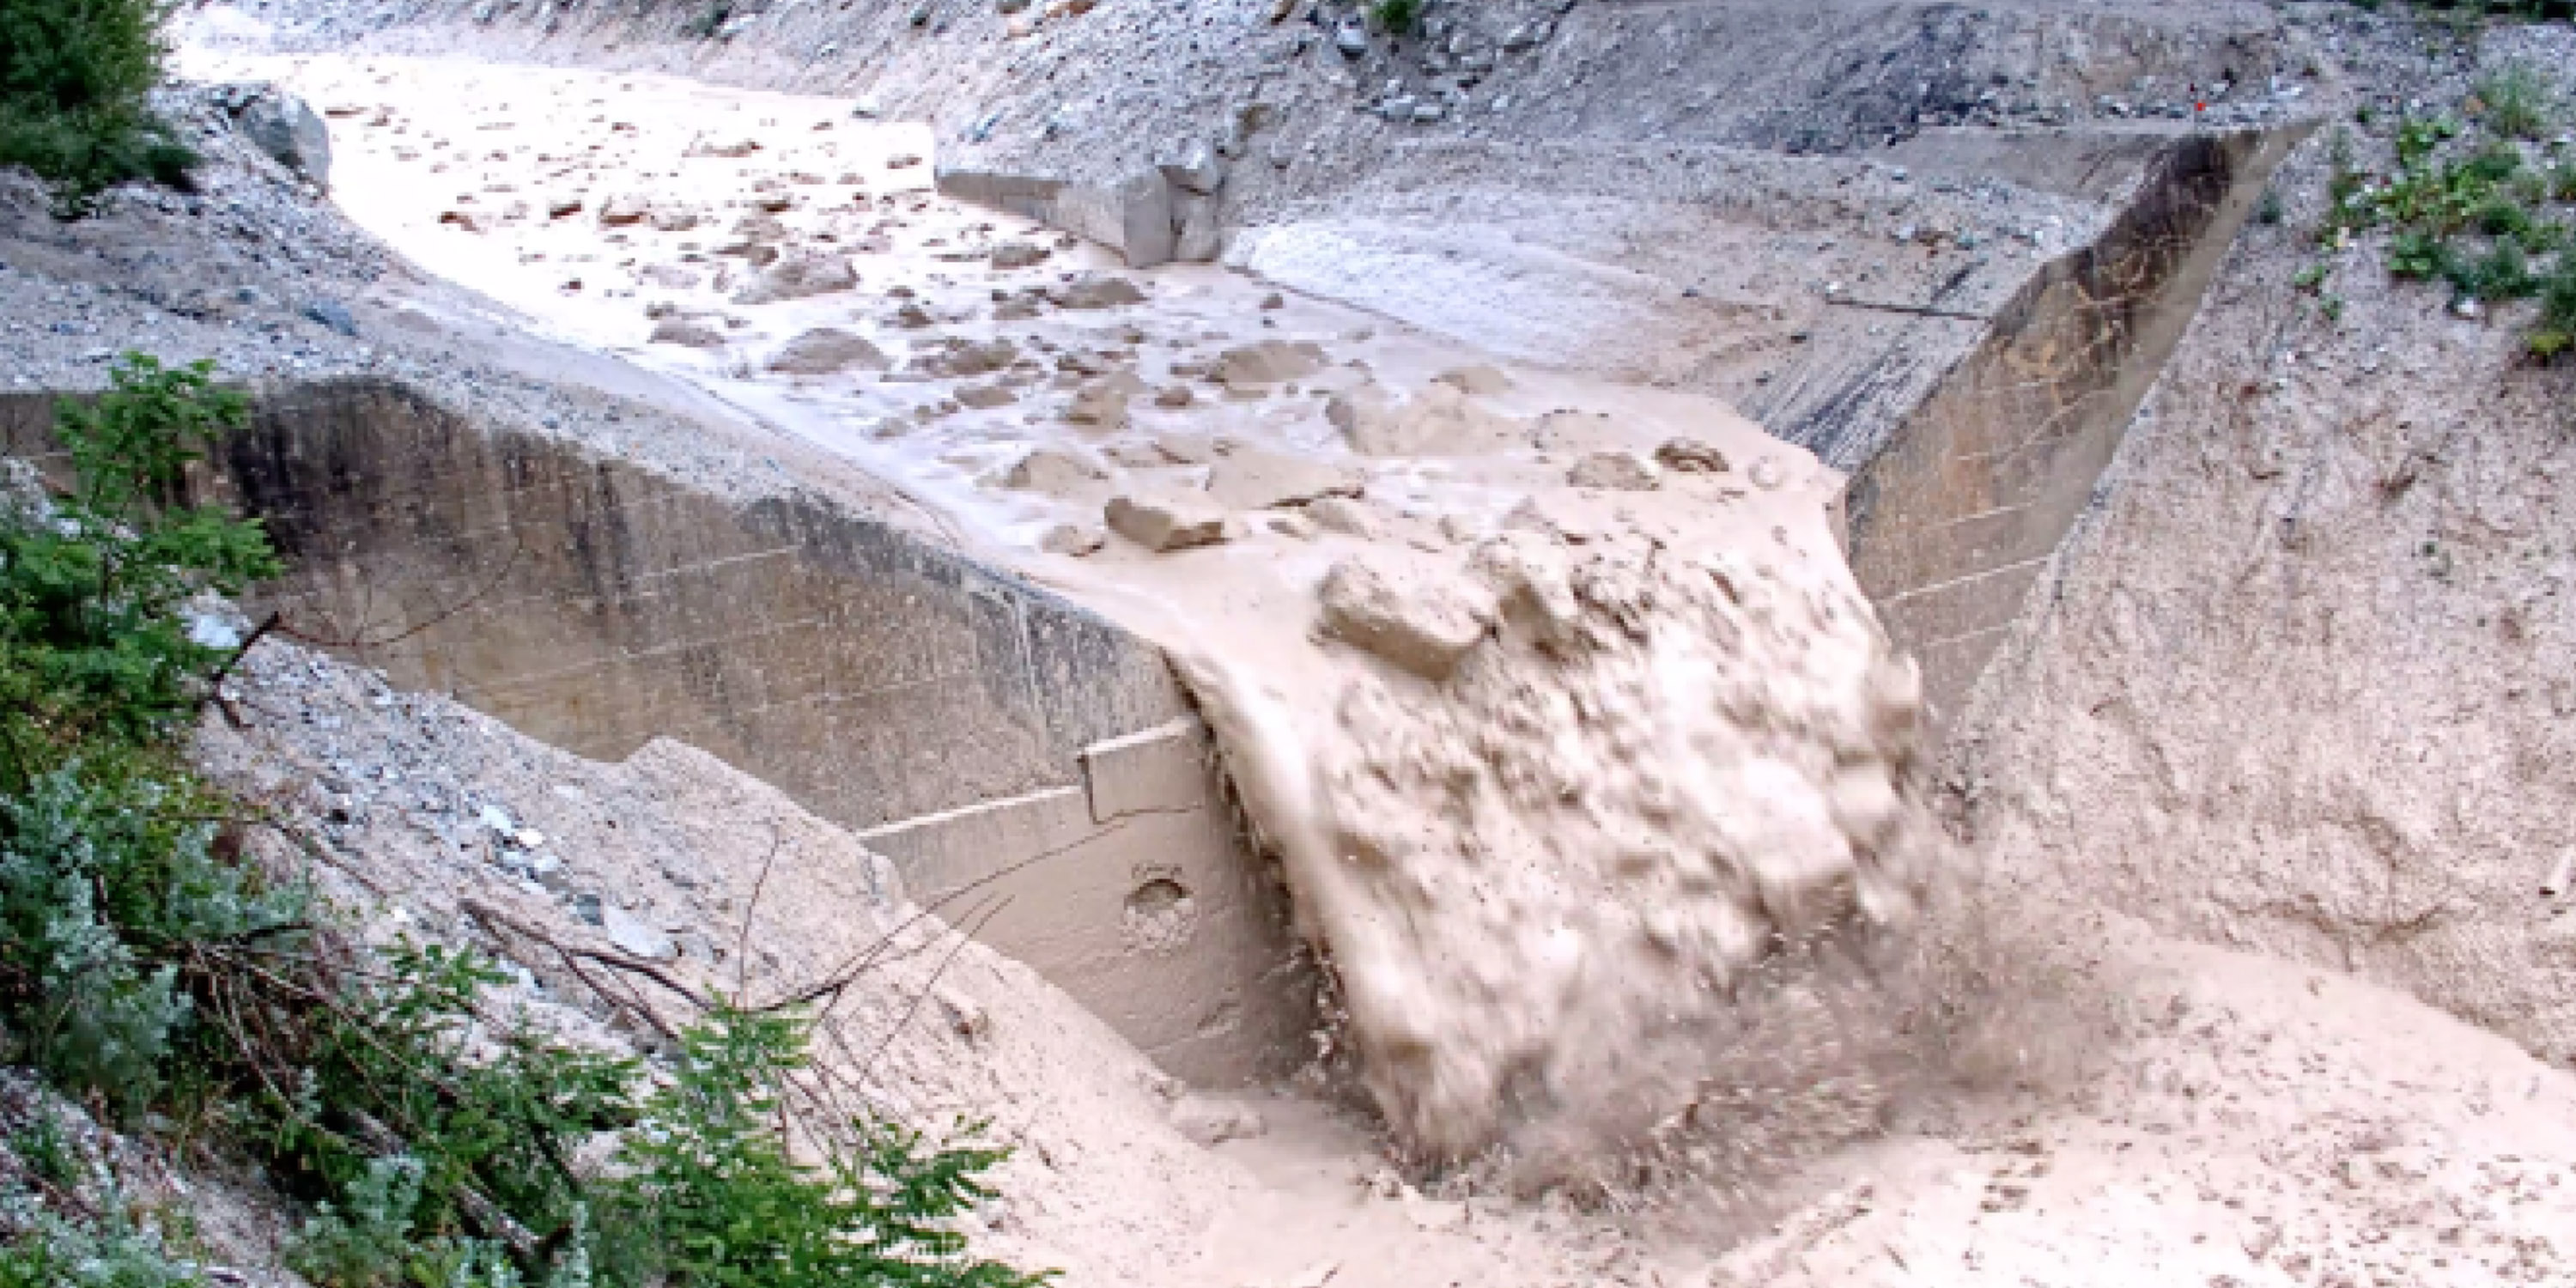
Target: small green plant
x,y
706,22
2311,278
1398,17
2268,210
2466,207
2332,307
2517,102
73,76
2556,333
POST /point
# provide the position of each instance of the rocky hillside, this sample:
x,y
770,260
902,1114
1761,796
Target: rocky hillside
x,y
2299,682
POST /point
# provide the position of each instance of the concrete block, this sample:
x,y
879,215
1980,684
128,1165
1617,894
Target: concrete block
x,y
1154,771
1132,215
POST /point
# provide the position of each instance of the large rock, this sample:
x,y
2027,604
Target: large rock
x,y
1102,403
1439,421
824,351
798,276
1193,167
1249,478
1096,291
958,357
1614,472
1018,254
688,335
1268,363
281,125
625,210
1422,625
1162,523
1690,456
1055,472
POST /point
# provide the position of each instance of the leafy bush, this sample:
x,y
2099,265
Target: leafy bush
x,y
146,965
2556,333
94,639
706,22
2470,209
73,76
1399,17
713,1199
109,1251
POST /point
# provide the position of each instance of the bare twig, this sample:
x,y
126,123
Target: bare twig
x,y
965,936
359,643
215,682
608,957
751,911
849,972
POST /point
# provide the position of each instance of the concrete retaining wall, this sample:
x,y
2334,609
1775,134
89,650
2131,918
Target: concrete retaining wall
x,y
983,734
1953,518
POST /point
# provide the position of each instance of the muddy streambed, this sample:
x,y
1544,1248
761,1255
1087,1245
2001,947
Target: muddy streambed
x,y
1554,695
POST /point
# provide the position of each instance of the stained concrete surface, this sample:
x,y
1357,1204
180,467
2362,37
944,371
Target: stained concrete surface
x,y
963,720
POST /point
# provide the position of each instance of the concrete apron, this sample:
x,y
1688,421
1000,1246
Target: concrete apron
x,y
1032,771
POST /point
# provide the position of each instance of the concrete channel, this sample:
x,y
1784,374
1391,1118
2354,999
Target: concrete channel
x,y
990,737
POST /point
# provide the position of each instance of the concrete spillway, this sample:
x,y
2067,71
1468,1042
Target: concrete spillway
x,y
985,735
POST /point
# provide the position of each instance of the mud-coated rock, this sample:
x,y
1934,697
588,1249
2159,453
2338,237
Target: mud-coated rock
x,y
688,335
798,276
1252,479
1096,291
1421,625
624,210
1479,378
1054,472
1103,403
1018,254
1614,472
1165,523
1346,515
824,351
1268,363
971,358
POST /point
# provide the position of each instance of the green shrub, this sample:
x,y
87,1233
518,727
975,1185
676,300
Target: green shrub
x,y
713,1199
1399,17
73,76
94,636
111,1250
2473,213
706,22
2556,333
